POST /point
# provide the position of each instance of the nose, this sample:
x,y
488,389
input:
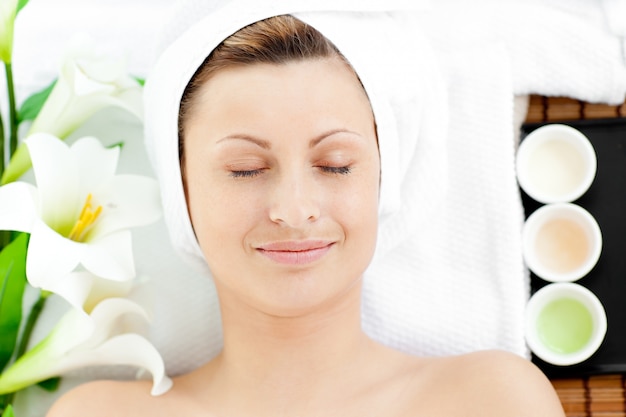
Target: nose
x,y
294,202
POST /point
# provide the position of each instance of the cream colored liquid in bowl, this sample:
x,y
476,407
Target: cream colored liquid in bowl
x,y
562,245
556,168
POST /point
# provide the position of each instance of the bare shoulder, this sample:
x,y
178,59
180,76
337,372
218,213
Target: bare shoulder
x,y
106,398
500,384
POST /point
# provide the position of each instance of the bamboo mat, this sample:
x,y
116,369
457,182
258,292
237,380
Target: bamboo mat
x,y
594,396
553,109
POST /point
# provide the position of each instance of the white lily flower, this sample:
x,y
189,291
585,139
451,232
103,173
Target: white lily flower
x,y
87,83
79,340
84,290
8,10
79,213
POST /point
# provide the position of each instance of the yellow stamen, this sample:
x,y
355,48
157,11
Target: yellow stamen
x,y
87,218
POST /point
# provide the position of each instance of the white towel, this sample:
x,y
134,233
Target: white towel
x,y
458,284
557,47
615,15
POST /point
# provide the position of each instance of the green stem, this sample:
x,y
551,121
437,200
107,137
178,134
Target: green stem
x,y
12,108
33,316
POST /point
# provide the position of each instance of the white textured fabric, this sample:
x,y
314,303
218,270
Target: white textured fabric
x,y
556,47
615,15
458,284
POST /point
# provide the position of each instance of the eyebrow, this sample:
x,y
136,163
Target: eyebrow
x,y
240,136
315,141
262,143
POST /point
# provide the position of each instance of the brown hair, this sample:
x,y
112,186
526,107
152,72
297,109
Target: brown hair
x,y
276,40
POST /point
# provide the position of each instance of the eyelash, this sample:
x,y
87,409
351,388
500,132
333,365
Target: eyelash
x,y
245,174
345,170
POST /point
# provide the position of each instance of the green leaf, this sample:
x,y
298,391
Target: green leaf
x,y
141,81
119,144
13,276
8,412
51,384
33,104
21,4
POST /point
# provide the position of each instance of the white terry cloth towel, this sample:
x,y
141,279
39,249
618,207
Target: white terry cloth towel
x,y
615,15
448,277
571,48
459,284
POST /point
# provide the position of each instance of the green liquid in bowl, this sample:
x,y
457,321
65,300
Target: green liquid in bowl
x,y
565,325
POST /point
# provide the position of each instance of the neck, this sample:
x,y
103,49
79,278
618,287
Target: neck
x,y
292,357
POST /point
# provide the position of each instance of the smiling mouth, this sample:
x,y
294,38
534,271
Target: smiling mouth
x,y
295,253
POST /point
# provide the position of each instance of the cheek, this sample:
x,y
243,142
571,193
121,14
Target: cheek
x,y
223,214
358,209
219,214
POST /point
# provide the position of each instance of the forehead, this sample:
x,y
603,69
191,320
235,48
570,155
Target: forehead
x,y
328,82
301,99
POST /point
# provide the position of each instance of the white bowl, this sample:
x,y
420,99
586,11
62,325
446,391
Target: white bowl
x,y
555,164
561,242
565,323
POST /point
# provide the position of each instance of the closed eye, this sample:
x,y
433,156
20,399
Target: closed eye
x,y
336,170
246,173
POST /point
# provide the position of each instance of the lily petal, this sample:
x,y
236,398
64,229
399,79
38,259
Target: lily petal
x,y
106,322
102,289
75,287
57,180
95,163
18,207
19,164
84,290
84,85
82,50
110,256
127,349
128,97
50,256
128,201
8,11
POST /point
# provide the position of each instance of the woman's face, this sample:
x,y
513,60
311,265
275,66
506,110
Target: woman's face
x,y
282,179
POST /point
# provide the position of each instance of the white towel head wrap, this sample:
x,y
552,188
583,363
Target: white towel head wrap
x,y
398,74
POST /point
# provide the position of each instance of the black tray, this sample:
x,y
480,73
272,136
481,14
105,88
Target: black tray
x,y
606,201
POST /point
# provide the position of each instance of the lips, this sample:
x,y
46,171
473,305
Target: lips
x,y
295,252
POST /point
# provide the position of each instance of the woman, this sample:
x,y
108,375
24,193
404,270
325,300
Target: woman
x,y
281,173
